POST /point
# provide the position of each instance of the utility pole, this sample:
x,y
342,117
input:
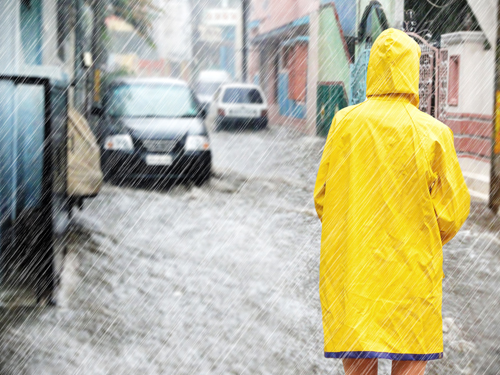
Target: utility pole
x,y
195,37
494,202
99,51
244,15
79,76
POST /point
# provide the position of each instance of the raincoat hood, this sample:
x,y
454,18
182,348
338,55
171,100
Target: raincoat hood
x,y
394,66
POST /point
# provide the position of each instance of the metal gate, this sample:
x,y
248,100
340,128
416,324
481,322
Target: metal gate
x,y
358,76
433,84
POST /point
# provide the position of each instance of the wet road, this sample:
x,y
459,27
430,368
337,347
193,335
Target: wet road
x,y
223,279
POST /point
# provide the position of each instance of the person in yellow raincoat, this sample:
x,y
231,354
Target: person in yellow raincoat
x,y
390,194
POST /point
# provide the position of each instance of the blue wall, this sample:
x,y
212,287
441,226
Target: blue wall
x,y
288,107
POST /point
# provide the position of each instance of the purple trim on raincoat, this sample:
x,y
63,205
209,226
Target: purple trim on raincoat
x,y
391,356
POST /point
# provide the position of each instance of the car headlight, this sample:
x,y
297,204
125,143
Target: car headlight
x,y
121,142
197,143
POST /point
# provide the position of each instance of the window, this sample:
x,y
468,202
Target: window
x,y
154,100
242,96
453,80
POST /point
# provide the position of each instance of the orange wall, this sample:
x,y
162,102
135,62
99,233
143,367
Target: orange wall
x,y
298,73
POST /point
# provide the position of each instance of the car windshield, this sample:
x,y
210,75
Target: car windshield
x,y
242,95
151,100
207,88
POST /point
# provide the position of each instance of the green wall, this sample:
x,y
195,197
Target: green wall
x,y
332,60
333,72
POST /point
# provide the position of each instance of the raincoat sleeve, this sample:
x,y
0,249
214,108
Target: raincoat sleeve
x,y
320,187
449,193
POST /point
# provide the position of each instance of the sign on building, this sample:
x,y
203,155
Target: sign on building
x,y
222,17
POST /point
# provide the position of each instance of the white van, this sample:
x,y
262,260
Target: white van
x,y
208,83
238,105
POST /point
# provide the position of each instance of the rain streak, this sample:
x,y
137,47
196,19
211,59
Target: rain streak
x,y
158,164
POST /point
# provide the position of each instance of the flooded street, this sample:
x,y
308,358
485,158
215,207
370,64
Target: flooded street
x,y
223,279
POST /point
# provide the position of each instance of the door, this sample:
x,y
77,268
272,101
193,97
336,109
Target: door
x,y
330,99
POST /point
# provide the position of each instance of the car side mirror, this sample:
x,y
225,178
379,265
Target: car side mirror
x,y
96,111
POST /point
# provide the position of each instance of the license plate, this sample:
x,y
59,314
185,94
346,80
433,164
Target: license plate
x,y
153,159
243,112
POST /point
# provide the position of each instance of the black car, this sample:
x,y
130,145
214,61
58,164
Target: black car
x,y
153,128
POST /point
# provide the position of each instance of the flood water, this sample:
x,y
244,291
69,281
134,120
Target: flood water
x,y
223,279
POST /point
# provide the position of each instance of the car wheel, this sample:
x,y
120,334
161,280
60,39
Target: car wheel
x,y
108,177
219,125
114,180
107,172
202,177
260,126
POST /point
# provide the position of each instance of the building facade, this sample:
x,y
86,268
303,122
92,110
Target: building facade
x,y
302,54
470,104
279,55
44,46
219,42
311,57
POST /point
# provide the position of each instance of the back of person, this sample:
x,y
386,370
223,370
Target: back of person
x,y
389,193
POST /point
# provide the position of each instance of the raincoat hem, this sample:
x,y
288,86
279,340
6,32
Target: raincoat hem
x,y
383,355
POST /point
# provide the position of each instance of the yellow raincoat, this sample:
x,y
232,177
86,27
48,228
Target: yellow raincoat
x,y
389,193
